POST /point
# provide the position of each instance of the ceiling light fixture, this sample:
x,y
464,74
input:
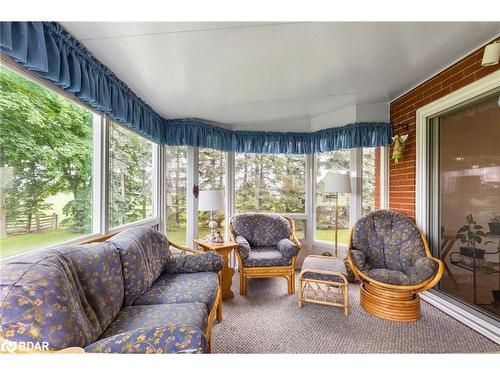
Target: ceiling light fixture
x,y
491,54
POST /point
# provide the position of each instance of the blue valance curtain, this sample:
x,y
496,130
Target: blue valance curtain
x,y
198,133
46,49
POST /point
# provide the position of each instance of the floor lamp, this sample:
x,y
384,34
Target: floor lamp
x,y
335,184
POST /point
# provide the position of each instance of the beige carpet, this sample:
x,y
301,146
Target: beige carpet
x,y
268,320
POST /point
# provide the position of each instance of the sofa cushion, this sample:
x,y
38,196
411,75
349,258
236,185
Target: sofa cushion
x,y
261,229
144,253
153,316
209,261
266,257
182,288
99,272
43,299
168,339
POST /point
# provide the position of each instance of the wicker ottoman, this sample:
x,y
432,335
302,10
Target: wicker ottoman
x,y
325,280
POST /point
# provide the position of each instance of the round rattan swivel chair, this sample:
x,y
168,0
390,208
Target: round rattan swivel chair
x,y
391,257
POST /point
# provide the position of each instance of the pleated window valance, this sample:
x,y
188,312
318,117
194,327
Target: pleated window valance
x,y
47,50
198,133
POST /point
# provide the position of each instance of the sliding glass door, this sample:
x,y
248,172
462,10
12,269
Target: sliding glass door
x,y
465,228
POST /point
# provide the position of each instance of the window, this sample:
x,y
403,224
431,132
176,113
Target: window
x,y
130,176
46,151
368,180
266,182
211,176
176,174
465,208
335,161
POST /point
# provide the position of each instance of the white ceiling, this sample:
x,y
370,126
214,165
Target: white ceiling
x,y
274,76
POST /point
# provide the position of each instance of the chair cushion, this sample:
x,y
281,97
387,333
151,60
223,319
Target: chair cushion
x,y
423,269
388,240
206,262
261,229
169,339
182,288
325,264
65,296
266,257
287,248
144,253
243,246
131,318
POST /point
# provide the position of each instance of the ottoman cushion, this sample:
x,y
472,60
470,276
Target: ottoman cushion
x,y
332,264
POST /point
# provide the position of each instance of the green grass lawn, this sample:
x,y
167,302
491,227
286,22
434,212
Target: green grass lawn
x,y
329,235
21,243
179,237
13,245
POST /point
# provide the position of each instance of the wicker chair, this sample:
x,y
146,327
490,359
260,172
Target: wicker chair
x,y
392,259
267,247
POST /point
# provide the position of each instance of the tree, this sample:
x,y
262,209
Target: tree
x,y
47,147
131,164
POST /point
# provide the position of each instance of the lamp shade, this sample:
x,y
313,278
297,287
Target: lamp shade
x,y
211,200
491,54
337,183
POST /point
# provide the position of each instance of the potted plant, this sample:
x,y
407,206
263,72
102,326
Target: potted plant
x,y
494,224
470,235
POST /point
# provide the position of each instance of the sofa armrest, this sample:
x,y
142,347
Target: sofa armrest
x,y
243,246
287,248
168,339
208,261
184,249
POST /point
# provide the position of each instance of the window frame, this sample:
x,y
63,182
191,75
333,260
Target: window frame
x,y
156,174
100,191
100,168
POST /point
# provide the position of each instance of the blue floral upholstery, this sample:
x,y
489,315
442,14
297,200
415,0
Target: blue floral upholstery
x,y
263,239
57,295
326,264
182,288
207,262
144,253
243,246
74,295
287,248
169,339
260,229
151,316
266,257
387,246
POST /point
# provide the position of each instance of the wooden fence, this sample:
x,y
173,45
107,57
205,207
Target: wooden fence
x,y
22,225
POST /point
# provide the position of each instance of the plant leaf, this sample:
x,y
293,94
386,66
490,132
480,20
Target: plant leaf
x,y
477,239
463,229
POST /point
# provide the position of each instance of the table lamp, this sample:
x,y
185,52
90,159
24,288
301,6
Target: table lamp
x,y
336,183
211,200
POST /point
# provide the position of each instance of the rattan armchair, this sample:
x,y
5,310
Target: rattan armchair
x,y
267,247
392,259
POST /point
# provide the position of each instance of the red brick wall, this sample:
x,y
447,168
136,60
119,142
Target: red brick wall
x,y
377,178
403,110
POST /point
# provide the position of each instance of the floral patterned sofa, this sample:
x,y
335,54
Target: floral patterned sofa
x,y
267,247
128,294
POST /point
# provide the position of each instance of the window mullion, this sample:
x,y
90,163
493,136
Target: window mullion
x,y
356,167
192,202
